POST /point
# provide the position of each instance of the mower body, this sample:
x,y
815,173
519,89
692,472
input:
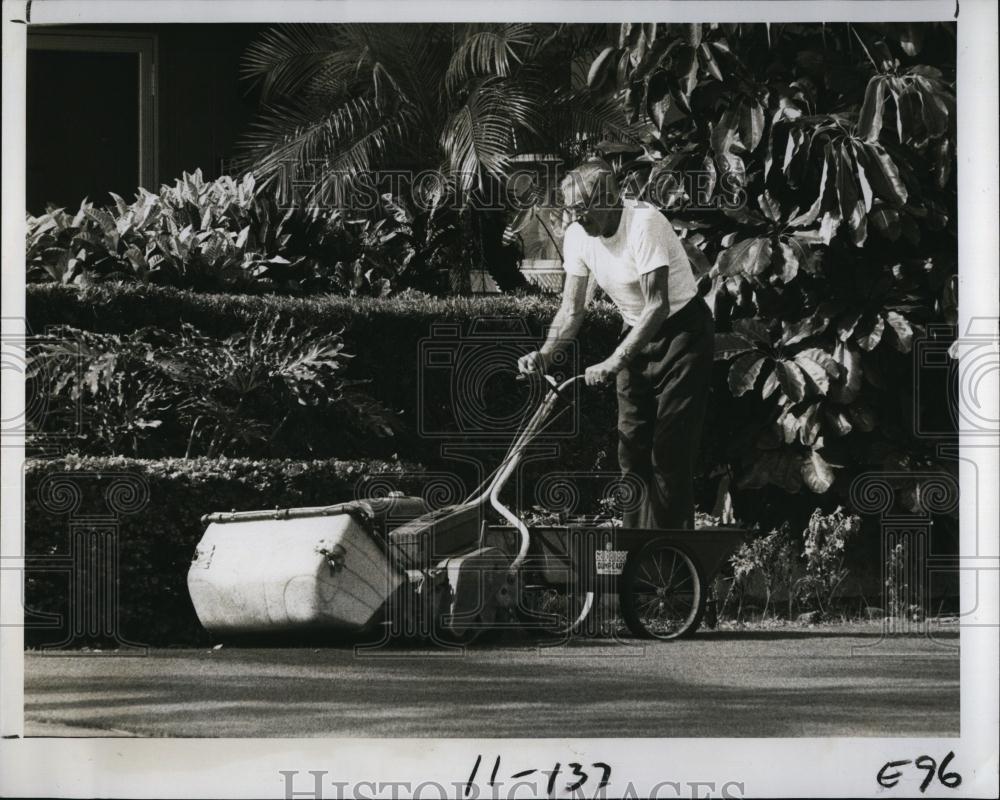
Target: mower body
x,y
336,568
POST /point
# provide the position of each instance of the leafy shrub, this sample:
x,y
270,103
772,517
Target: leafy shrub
x,y
409,248
385,334
194,233
810,570
229,234
824,552
157,534
771,558
151,389
809,169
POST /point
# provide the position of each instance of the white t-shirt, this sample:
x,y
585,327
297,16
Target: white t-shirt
x,y
644,241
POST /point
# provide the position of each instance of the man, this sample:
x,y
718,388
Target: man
x,y
663,361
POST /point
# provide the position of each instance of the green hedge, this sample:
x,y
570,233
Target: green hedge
x,y
385,338
159,505
384,335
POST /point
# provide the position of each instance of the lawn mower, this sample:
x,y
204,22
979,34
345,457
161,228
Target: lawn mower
x,y
448,573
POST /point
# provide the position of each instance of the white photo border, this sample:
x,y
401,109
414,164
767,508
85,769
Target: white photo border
x,y
62,767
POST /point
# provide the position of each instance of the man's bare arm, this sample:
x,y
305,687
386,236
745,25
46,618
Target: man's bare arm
x,y
568,319
565,325
654,312
657,308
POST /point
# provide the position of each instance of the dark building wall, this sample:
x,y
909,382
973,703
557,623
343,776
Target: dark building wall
x,y
204,106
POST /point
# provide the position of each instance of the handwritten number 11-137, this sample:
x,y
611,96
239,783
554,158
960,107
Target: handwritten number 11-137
x,y
570,770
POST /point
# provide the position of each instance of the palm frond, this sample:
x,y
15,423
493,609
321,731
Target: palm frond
x,y
388,59
566,42
488,49
347,163
579,114
431,56
355,97
545,36
287,141
331,80
286,58
480,134
311,62
587,37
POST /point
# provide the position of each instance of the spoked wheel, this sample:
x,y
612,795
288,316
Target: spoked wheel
x,y
662,593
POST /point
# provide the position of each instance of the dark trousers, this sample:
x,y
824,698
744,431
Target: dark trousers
x,y
662,395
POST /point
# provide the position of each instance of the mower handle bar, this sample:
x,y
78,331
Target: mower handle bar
x,y
513,458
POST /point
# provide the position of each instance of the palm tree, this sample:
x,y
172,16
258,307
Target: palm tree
x,y
342,101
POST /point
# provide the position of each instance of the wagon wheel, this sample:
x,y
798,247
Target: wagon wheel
x,y
662,592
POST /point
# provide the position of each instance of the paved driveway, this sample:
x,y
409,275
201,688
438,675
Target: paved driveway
x,y
787,682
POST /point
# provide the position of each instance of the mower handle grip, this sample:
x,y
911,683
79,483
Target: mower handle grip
x,y
524,377
554,386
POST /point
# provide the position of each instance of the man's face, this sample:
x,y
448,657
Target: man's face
x,y
591,206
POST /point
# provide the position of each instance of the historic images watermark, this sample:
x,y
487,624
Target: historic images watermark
x,y
464,371
314,186
32,360
949,375
85,566
572,780
83,571
963,367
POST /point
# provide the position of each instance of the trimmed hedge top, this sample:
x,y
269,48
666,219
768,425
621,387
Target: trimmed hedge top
x,y
120,308
384,335
242,470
